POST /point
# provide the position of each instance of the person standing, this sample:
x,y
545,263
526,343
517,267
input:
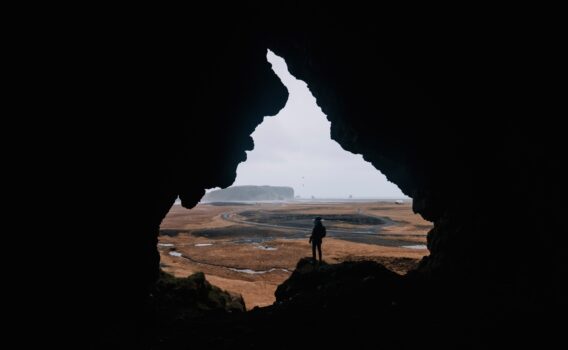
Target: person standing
x,y
318,233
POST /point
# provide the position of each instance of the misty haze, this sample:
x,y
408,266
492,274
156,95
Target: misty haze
x,y
294,148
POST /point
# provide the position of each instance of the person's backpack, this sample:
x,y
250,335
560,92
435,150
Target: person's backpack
x,y
323,232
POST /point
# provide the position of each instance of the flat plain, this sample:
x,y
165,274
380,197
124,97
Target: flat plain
x,y
250,249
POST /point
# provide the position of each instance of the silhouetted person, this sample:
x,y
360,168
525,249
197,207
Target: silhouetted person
x,y
318,233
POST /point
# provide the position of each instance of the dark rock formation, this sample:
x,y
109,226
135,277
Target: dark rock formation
x,y
174,302
464,140
321,284
193,296
162,107
348,304
354,304
250,193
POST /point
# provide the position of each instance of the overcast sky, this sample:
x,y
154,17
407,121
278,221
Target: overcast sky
x,y
294,148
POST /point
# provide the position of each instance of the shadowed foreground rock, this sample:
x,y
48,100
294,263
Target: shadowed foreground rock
x,y
343,304
364,305
175,303
322,284
193,296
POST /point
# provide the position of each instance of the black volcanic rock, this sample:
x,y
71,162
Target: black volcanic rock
x,y
250,193
192,296
461,111
320,285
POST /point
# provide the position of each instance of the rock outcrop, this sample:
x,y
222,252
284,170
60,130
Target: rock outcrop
x,y
193,296
323,285
359,305
250,193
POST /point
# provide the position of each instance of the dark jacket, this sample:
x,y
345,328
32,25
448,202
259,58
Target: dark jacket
x,y
318,233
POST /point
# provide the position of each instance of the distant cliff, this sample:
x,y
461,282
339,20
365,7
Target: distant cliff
x,y
250,193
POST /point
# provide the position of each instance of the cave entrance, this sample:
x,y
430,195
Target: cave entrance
x,y
248,238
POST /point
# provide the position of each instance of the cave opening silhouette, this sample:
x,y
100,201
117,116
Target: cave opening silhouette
x,y
476,98
292,149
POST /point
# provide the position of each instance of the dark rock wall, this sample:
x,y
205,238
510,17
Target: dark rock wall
x,y
446,108
166,108
461,112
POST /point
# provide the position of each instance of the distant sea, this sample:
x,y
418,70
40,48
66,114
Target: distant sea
x,y
327,200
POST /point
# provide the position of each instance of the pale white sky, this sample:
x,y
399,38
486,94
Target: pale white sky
x,y
294,148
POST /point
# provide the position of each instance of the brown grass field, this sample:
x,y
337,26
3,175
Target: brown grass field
x,y
251,249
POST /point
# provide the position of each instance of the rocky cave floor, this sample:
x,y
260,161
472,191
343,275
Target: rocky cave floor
x,y
355,305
